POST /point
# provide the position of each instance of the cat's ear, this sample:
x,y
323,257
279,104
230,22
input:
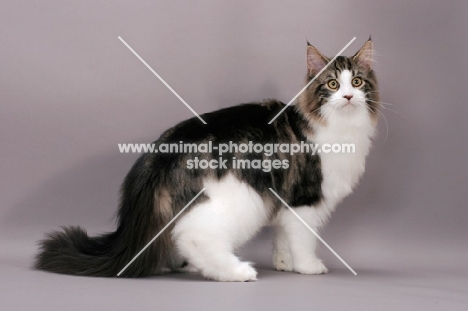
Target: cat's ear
x,y
365,55
315,60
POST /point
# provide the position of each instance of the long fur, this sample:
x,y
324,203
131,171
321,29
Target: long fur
x,y
237,202
72,251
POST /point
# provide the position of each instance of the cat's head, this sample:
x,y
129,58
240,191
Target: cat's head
x,y
346,89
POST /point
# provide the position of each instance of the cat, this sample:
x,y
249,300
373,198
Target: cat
x,y
340,106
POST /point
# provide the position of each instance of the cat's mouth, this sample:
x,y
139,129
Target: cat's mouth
x,y
347,105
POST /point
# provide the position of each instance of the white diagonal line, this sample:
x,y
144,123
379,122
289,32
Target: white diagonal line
x,y
313,231
160,232
311,81
162,80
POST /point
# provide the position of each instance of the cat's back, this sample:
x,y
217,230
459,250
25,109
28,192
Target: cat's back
x,y
248,121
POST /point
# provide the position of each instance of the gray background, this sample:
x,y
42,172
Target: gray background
x,y
70,91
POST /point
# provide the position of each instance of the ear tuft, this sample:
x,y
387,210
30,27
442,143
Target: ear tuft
x,y
315,60
365,55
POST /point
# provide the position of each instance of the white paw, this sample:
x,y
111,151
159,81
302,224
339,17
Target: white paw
x,y
311,267
282,261
245,272
241,273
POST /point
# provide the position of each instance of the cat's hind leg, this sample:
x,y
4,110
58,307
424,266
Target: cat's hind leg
x,y
210,232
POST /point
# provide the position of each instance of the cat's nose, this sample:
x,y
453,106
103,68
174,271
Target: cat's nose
x,y
348,97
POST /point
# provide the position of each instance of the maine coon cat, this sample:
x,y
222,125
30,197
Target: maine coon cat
x,y
340,106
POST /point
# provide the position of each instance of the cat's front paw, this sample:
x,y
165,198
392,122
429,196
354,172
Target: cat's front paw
x,y
311,267
243,272
282,261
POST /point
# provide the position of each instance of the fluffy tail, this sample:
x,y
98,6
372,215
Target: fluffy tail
x,y
72,251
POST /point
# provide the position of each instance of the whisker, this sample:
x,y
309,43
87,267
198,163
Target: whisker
x,y
385,119
322,115
370,109
310,113
374,101
396,112
379,102
335,108
386,125
382,105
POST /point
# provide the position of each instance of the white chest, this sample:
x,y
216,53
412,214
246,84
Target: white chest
x,y
341,171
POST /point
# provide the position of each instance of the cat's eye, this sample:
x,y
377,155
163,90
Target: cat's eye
x,y
357,82
333,84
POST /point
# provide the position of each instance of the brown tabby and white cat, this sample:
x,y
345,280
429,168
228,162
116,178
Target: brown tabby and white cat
x,y
340,106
